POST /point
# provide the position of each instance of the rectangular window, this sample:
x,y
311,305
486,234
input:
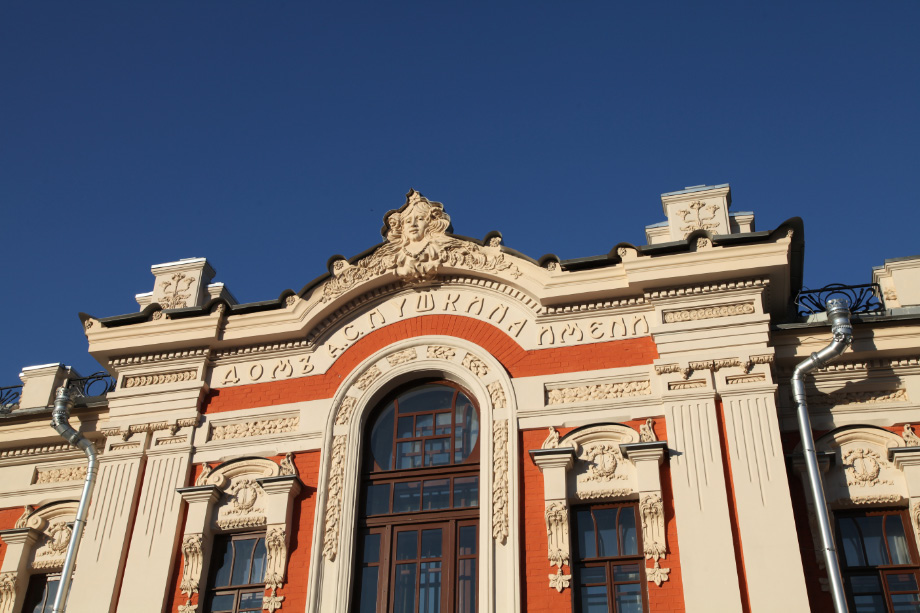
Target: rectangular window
x,y
41,593
237,582
879,562
609,566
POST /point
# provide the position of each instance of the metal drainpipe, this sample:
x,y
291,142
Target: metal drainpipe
x,y
62,406
838,314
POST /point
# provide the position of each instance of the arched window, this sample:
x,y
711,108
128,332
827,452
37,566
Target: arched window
x,y
418,545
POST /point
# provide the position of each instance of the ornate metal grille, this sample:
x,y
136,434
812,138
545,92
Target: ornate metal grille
x,y
9,398
97,384
863,298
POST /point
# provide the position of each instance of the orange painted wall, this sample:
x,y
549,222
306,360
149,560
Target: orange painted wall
x,y
537,595
518,362
8,519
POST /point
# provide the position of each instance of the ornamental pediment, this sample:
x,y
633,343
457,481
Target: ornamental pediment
x,y
418,248
862,472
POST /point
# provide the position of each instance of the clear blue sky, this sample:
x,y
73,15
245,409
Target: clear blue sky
x,y
268,135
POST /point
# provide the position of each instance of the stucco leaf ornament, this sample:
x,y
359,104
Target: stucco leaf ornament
x,y
647,431
910,437
174,288
657,574
552,441
417,246
698,216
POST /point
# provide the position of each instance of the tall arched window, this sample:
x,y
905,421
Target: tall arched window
x,y
418,545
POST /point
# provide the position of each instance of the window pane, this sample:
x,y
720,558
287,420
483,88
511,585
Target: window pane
x,y
466,492
607,527
222,602
405,427
241,561
408,454
467,541
371,549
897,542
585,537
424,425
437,452
407,545
251,601
378,499
594,599
901,582
466,430
404,597
466,585
852,544
629,598
258,563
223,552
592,574
382,439
368,598
431,543
871,529
52,589
628,544
870,604
442,423
426,398
905,603
436,494
626,572
406,496
865,584
429,600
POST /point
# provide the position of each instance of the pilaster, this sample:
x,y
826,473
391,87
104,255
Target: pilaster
x,y
14,573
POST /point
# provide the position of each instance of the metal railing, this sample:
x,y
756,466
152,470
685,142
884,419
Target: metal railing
x,y
97,384
866,298
9,398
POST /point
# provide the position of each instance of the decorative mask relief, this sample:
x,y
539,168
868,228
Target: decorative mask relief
x,y
417,247
862,474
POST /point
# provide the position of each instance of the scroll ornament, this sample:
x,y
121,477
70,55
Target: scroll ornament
x,y
274,573
647,431
417,247
557,532
191,570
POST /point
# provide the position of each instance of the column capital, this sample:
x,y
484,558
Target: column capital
x,y
558,457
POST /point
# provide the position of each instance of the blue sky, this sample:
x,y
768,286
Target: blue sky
x,y
270,135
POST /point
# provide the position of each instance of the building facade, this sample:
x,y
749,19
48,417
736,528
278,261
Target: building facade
x,y
444,424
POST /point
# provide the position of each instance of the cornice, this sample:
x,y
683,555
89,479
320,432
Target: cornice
x,y
159,357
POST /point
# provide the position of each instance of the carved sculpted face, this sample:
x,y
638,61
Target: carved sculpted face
x,y
415,223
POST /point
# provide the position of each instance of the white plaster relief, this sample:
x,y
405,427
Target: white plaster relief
x,y
191,568
416,249
497,395
862,397
647,431
259,427
698,216
370,375
244,506
863,467
159,378
654,541
552,439
687,385
343,415
286,465
441,352
334,498
557,533
475,365
600,391
401,357
7,591
657,574
708,312
742,379
63,474
56,538
500,480
910,437
276,548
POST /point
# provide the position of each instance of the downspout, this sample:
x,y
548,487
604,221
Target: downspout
x,y
62,406
838,314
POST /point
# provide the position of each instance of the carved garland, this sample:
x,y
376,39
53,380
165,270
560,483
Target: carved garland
x,y
500,480
601,391
334,498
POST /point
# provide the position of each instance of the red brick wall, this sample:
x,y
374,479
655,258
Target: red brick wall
x,y
518,362
8,518
537,595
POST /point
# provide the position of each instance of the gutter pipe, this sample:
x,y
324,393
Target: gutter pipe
x,y
838,314
59,421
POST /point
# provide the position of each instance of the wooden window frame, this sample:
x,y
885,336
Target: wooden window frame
x,y
32,587
237,590
449,519
880,571
608,562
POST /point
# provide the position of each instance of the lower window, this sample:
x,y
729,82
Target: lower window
x,y
41,593
879,561
237,576
609,568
